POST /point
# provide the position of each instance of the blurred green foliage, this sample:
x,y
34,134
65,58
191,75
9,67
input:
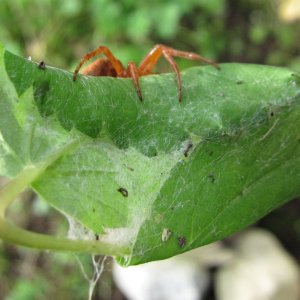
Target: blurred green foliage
x,y
42,276
60,32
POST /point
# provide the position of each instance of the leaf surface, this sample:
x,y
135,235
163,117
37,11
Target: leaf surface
x,y
158,177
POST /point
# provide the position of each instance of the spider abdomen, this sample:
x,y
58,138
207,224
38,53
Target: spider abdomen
x,y
100,67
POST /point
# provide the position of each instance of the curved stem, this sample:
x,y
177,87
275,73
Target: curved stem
x,y
16,235
9,192
13,188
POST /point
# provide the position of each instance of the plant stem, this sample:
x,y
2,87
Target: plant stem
x,y
9,192
16,235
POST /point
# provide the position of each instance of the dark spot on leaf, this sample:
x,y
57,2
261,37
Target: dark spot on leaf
x,y
211,177
123,191
150,151
181,241
239,81
42,65
273,111
188,148
93,209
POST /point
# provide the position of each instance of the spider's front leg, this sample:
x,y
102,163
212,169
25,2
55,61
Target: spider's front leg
x,y
150,61
132,71
114,62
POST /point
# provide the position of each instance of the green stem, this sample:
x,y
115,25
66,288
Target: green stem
x,y
9,192
16,235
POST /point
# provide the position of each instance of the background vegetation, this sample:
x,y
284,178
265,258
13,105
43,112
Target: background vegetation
x,y
60,32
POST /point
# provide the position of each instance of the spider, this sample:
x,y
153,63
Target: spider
x,y
111,66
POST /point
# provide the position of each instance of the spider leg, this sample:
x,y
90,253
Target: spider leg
x,y
132,70
174,66
105,50
149,62
191,56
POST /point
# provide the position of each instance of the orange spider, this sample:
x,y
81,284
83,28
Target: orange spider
x,y
111,66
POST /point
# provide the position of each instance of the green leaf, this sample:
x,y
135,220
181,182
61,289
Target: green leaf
x,y
156,178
